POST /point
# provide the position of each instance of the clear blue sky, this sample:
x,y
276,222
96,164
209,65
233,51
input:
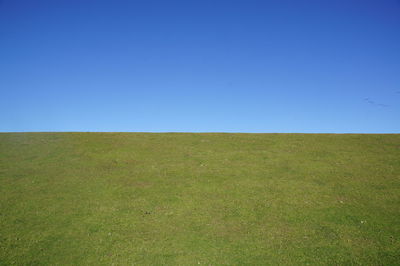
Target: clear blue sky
x,y
200,66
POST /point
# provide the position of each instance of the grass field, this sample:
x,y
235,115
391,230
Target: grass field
x,y
190,199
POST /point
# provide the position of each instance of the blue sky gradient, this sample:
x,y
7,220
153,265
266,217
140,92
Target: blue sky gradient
x,y
200,66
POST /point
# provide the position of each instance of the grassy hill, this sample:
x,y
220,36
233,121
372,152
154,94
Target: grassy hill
x,y
189,199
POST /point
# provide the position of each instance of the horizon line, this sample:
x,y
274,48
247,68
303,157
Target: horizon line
x,y
208,132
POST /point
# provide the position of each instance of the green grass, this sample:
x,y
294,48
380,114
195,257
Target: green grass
x,y
189,199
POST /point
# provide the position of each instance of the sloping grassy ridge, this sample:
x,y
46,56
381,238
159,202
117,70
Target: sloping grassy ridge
x,y
189,199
